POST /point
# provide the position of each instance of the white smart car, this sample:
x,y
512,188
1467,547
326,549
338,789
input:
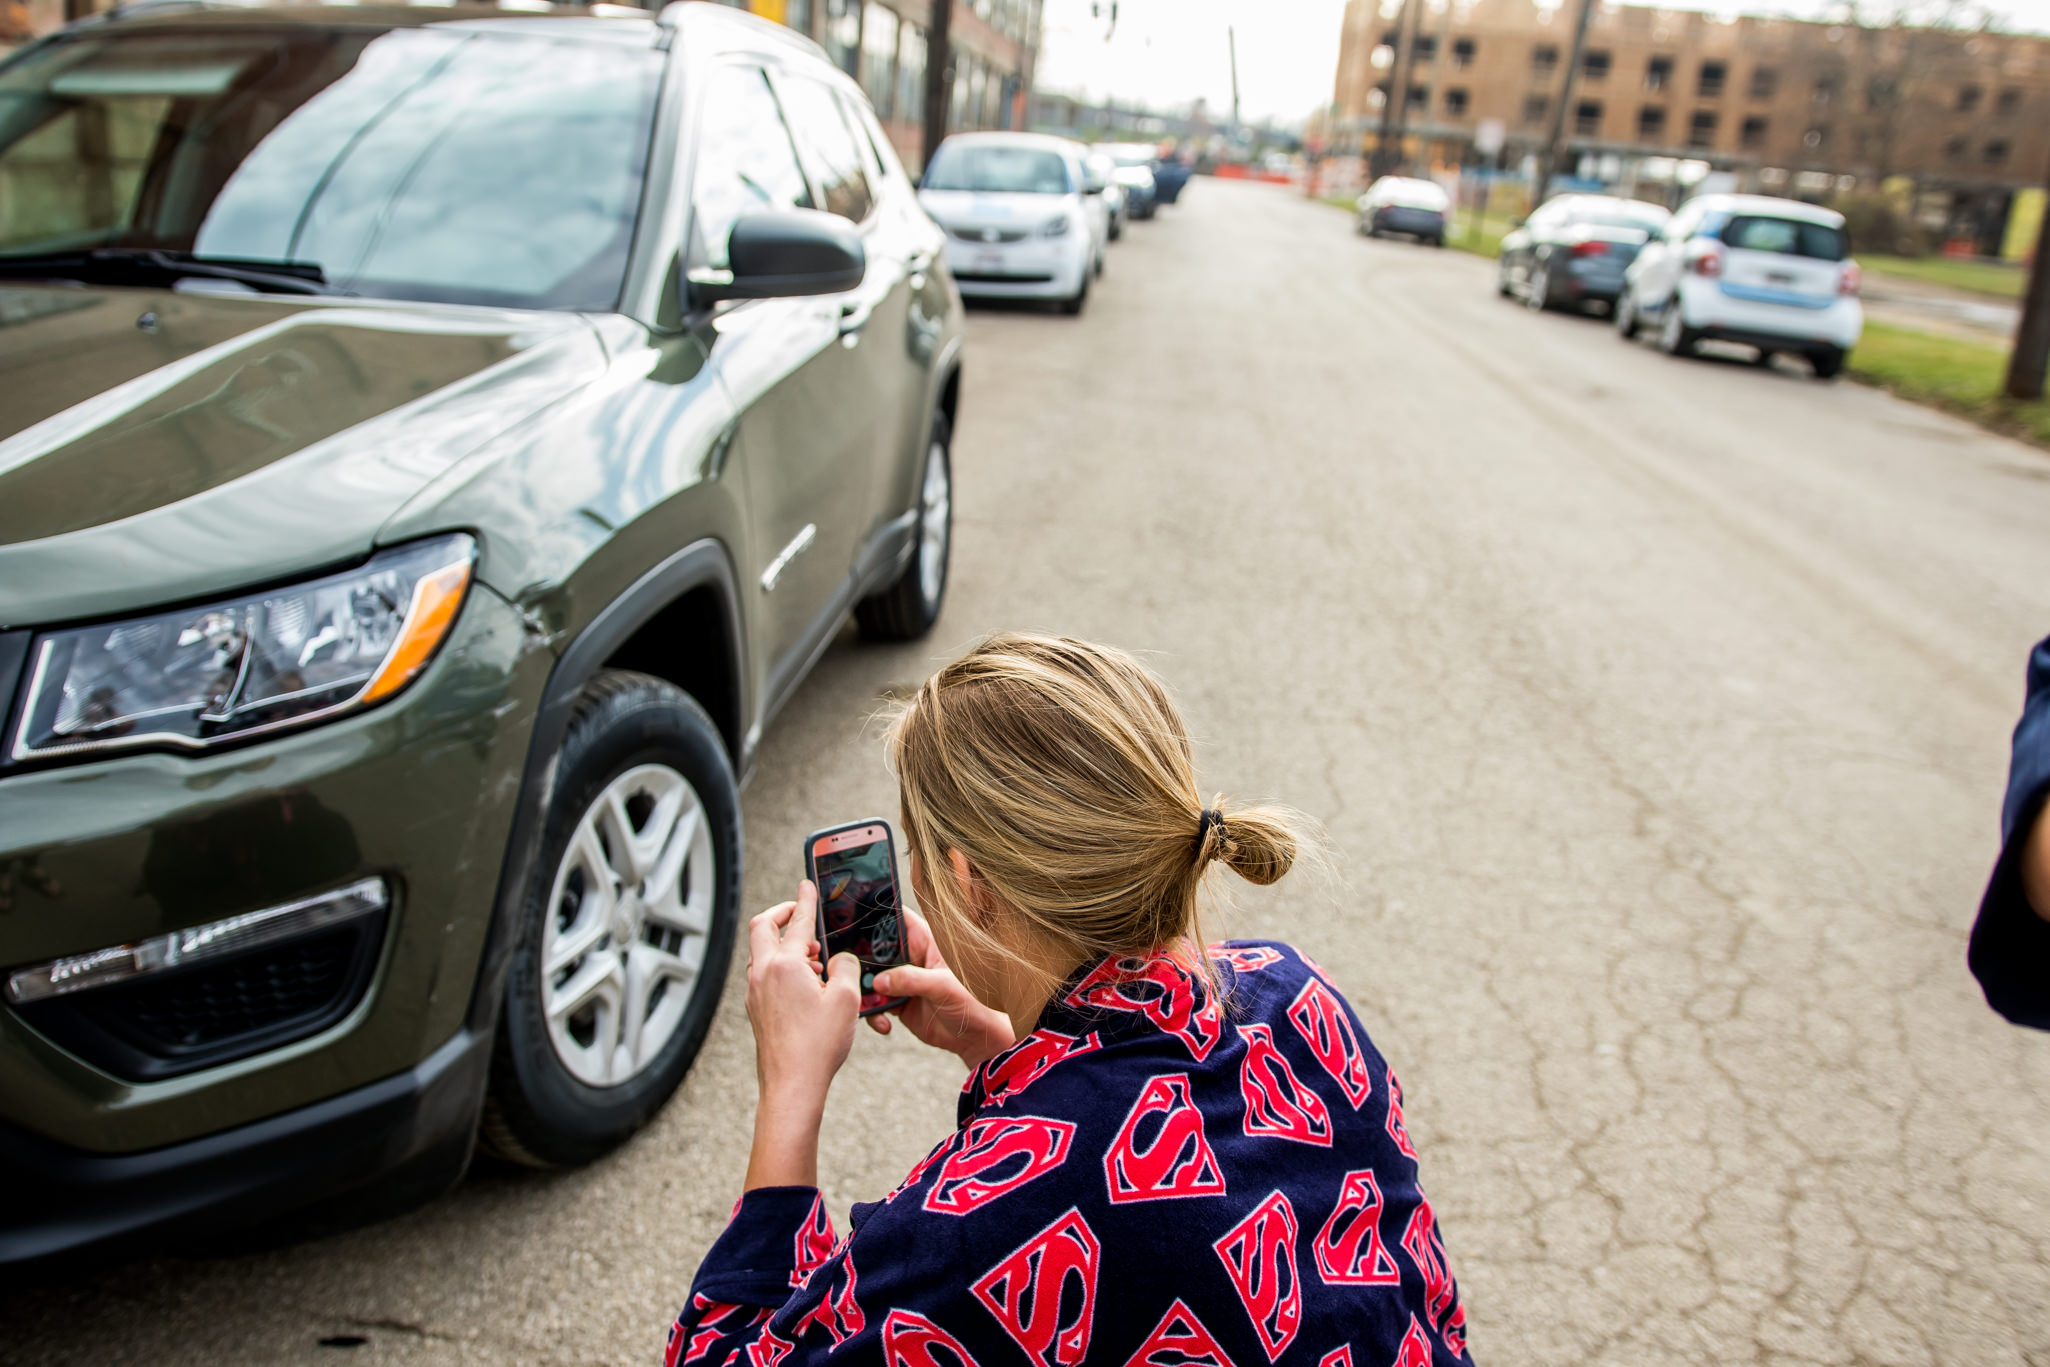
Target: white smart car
x,y
1774,274
1024,215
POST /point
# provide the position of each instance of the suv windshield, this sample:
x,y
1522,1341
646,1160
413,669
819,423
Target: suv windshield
x,y
1787,236
1647,219
1018,170
432,163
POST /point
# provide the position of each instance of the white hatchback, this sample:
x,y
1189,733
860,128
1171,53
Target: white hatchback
x,y
1774,274
1023,213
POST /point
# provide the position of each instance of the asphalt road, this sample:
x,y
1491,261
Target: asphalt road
x,y
1656,712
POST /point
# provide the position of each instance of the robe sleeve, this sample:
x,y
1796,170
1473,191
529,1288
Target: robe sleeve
x,y
2010,948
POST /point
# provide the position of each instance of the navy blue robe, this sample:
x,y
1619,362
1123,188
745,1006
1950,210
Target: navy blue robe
x,y
2010,953
1149,1179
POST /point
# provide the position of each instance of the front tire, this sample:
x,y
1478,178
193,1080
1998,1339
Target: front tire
x,y
1075,302
908,608
1624,315
626,926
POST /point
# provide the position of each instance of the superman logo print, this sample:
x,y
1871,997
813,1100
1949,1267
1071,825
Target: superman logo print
x,y
1349,1249
1044,1291
1000,1155
1259,1256
1278,1105
1319,1017
1017,1068
1160,1151
1159,989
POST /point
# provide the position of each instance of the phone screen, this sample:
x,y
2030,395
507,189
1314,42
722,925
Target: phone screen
x,y
858,906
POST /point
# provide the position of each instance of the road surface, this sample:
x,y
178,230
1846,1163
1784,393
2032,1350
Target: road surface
x,y
1656,712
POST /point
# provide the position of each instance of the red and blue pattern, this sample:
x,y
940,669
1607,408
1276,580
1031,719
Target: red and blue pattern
x,y
1153,1178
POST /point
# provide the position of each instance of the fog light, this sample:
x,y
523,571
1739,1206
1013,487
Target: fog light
x,y
125,963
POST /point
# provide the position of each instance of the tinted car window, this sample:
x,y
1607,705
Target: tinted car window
x,y
826,144
745,160
1606,216
414,163
1787,236
1020,170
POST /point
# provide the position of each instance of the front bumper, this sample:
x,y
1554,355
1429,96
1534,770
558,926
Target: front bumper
x,y
1035,268
1725,317
414,1127
420,792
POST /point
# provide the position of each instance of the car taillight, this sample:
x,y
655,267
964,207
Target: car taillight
x,y
1847,283
1590,248
1707,261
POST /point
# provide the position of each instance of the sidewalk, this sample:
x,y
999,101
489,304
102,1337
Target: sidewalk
x,y
1938,309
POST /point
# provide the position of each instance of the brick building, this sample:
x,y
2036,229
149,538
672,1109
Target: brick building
x,y
1787,106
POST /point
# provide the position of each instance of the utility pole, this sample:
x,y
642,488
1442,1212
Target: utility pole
x,y
1548,164
1231,43
1413,18
939,76
1431,82
2031,355
1378,167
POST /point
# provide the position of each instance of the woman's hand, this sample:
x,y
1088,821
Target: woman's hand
x,y
940,1011
803,1029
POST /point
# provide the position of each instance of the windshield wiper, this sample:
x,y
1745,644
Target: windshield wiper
x,y
156,266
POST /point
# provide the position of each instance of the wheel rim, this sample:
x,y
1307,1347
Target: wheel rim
x,y
1623,314
935,524
628,921
1540,285
1669,327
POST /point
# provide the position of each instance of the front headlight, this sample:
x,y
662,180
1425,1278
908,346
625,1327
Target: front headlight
x,y
1055,227
199,676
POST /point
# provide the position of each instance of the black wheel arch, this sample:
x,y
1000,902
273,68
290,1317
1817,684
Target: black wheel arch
x,y
693,588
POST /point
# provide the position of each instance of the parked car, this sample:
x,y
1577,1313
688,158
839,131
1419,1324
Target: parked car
x,y
1170,175
1024,215
1573,250
1132,169
1400,204
423,483
1101,169
1773,274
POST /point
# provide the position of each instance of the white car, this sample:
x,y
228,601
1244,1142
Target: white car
x,y
1403,204
1774,274
1132,169
1023,213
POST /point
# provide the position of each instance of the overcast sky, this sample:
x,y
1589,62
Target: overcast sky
x,y
1167,52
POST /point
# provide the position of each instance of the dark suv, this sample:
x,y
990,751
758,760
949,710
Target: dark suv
x,y
433,441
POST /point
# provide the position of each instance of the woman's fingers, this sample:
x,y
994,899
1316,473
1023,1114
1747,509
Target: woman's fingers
x,y
801,926
843,978
764,932
908,980
879,1022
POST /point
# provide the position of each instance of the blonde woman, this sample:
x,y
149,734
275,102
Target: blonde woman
x,y
1167,1156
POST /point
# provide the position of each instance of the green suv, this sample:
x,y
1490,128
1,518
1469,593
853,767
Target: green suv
x,y
433,442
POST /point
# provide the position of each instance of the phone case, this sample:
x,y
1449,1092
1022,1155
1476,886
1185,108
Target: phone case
x,y
819,924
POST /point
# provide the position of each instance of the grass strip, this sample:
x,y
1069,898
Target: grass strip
x,y
1994,279
1956,376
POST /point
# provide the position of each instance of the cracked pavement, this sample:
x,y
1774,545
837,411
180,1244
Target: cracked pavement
x,y
1656,713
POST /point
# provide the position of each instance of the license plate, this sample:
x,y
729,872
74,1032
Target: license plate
x,y
1779,278
989,263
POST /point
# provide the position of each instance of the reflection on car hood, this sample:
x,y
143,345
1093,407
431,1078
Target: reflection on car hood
x,y
994,209
1134,175
157,446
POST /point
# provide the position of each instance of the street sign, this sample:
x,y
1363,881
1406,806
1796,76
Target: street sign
x,y
1487,137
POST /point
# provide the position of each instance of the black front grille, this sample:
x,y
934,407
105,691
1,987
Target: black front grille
x,y
191,1018
1000,278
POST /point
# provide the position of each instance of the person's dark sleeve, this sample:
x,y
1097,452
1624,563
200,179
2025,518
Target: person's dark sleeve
x,y
2010,950
776,1235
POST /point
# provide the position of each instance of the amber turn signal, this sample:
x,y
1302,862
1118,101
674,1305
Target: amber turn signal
x,y
435,600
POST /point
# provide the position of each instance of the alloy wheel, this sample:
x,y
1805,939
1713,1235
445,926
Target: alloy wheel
x,y
627,926
935,523
1670,328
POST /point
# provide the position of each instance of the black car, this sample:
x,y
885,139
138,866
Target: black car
x,y
1572,252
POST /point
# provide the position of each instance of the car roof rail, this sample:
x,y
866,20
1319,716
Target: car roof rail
x,y
762,30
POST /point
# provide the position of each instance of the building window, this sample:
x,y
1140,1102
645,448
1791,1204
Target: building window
x,y
1825,91
1651,124
1968,97
1714,75
1752,135
1881,93
1535,107
910,102
1587,118
1816,138
1765,82
1426,47
879,58
1955,149
2007,101
1455,102
1416,99
1392,39
1594,65
1462,52
1996,153
1544,59
1701,128
1658,73
843,33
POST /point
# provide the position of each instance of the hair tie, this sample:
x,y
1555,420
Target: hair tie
x,y
1212,819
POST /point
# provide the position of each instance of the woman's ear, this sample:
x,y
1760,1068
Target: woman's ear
x,y
969,885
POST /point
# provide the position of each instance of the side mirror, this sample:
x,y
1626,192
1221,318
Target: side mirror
x,y
782,253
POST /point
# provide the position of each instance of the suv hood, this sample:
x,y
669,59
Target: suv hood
x,y
978,209
159,446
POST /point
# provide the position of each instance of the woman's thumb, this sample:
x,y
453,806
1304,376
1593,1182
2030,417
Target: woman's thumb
x,y
844,971
907,980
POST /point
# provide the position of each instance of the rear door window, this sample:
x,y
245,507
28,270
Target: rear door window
x,y
1785,236
746,162
826,145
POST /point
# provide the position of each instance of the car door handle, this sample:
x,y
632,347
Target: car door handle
x,y
854,316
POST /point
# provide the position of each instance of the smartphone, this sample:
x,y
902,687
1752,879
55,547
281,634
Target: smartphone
x,y
854,867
